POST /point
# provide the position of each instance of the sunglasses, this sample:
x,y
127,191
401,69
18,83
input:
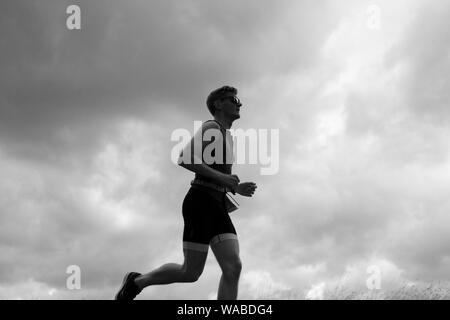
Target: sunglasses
x,y
233,99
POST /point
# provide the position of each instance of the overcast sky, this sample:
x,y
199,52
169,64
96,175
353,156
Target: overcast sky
x,y
86,116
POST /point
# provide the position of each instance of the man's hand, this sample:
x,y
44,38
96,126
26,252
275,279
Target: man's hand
x,y
229,180
246,189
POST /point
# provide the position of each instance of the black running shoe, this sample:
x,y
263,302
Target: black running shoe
x,y
129,290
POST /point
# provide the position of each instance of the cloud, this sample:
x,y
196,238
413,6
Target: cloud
x,y
316,292
86,118
423,58
259,284
137,59
364,174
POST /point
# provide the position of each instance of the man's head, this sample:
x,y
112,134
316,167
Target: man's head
x,y
224,100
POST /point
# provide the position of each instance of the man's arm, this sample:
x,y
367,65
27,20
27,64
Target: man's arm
x,y
196,165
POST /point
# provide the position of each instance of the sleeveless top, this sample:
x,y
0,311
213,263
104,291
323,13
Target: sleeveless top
x,y
223,165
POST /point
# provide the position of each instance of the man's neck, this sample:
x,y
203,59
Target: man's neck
x,y
225,122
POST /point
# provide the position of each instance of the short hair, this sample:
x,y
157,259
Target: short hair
x,y
218,94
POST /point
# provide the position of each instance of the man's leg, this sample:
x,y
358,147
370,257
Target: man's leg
x,y
189,271
227,254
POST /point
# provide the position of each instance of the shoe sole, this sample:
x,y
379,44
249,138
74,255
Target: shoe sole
x,y
125,279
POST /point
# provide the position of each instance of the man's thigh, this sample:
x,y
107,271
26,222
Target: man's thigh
x,y
194,258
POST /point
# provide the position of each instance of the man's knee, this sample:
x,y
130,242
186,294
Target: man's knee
x,y
232,269
192,275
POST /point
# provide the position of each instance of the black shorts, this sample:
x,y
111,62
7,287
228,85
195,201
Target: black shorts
x,y
206,220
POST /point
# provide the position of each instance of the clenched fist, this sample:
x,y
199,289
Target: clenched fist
x,y
246,189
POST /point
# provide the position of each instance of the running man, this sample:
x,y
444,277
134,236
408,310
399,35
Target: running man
x,y
206,219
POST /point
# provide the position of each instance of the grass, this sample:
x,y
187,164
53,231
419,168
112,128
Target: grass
x,y
419,291
429,291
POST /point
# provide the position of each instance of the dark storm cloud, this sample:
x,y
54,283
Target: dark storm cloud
x,y
64,96
137,59
86,118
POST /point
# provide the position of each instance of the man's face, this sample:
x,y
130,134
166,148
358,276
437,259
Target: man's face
x,y
230,106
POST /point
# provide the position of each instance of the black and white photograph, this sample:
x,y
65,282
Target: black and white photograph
x,y
224,150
